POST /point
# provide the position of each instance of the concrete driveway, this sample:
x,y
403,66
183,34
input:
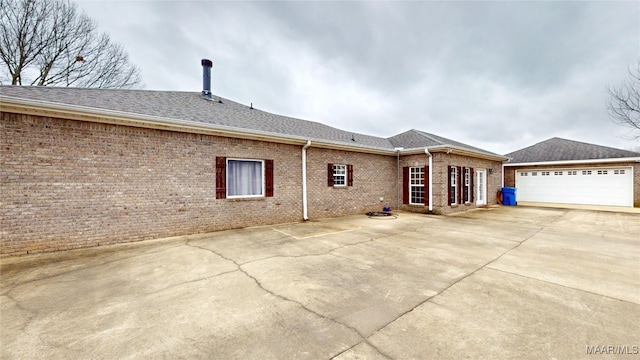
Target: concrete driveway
x,y
501,283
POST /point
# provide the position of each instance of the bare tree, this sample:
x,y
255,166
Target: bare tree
x,y
48,43
624,103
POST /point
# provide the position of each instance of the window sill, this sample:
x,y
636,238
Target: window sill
x,y
262,198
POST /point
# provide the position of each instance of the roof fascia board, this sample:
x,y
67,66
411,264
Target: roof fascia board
x,y
82,113
575,162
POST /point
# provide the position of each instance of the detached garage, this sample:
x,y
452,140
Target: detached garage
x,y
593,186
570,172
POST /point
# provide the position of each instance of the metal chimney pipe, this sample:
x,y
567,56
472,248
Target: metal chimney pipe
x,y
206,78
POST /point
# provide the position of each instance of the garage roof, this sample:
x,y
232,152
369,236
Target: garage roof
x,y
558,149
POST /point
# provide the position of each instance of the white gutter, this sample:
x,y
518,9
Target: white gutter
x,y
305,215
426,151
574,162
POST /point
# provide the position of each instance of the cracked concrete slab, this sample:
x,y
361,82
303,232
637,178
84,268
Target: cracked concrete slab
x,y
228,316
498,315
500,283
317,228
263,243
606,266
362,351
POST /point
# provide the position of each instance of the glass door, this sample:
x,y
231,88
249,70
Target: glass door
x,y
481,187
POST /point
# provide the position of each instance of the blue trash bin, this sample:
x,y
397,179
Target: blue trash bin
x,y
509,196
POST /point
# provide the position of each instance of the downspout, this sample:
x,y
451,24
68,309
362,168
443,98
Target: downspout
x,y
305,215
503,167
398,177
426,151
398,182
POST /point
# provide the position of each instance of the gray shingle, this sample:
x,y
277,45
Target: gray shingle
x,y
418,139
558,149
190,106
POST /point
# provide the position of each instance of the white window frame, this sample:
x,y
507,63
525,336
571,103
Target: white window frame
x,y
339,175
416,183
229,174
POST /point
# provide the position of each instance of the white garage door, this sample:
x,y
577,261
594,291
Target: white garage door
x,y
599,186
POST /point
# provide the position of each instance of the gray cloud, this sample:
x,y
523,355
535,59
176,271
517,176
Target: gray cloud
x,y
498,75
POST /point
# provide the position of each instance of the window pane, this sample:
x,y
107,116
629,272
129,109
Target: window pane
x,y
417,194
339,175
417,176
244,178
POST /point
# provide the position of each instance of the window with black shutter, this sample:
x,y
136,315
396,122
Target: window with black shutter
x,y
339,175
243,178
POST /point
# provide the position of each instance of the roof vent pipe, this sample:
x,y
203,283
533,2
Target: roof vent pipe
x,y
206,79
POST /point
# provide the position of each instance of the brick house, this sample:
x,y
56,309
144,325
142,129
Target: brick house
x,y
572,172
89,167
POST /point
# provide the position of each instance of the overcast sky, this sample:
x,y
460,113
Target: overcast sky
x,y
496,75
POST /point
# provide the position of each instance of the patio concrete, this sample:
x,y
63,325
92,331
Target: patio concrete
x,y
500,283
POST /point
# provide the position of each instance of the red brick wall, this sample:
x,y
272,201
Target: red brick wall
x,y
509,174
70,184
440,187
374,176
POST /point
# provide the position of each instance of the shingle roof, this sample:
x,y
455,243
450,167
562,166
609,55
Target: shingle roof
x,y
190,106
418,139
558,149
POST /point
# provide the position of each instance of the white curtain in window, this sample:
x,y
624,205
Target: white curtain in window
x,y
244,178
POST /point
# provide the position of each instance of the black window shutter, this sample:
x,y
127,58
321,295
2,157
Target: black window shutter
x,y
221,177
459,185
449,183
405,185
426,185
268,176
349,175
330,175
